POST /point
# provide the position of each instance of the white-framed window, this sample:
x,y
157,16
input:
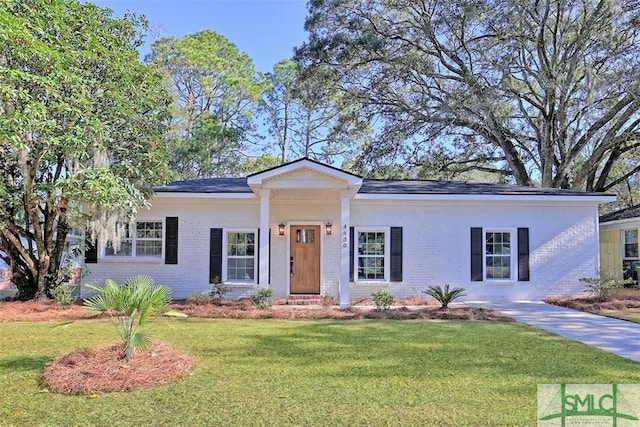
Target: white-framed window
x,y
630,243
499,254
240,256
145,241
372,254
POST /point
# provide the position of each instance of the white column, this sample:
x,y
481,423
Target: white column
x,y
344,249
263,278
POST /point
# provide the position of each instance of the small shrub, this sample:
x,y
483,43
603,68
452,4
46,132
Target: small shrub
x,y
219,289
65,295
445,295
327,300
262,298
199,298
602,286
383,299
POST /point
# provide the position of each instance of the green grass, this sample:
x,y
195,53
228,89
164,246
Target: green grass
x,y
307,373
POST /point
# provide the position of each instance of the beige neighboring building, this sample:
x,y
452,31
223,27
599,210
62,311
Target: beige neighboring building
x,y
619,232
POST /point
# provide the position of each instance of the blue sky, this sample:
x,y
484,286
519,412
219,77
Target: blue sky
x,y
267,30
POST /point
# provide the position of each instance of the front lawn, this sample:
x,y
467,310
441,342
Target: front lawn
x,y
311,372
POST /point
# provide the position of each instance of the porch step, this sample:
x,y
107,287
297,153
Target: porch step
x,y
303,300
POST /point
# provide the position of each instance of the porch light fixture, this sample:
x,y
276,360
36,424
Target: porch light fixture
x,y
281,227
328,228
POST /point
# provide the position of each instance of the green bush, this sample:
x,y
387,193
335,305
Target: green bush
x,y
219,289
199,298
383,299
602,286
65,295
445,295
262,298
130,305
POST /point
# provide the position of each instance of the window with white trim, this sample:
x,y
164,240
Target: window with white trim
x,y
146,241
240,263
630,243
372,255
499,254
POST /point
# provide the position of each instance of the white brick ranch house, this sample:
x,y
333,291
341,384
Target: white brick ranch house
x,y
308,228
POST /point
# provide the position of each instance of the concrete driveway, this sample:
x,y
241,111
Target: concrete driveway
x,y
612,335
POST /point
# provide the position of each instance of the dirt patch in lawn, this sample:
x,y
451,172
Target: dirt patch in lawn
x,y
99,370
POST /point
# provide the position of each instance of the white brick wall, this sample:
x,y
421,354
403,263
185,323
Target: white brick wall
x,y
436,243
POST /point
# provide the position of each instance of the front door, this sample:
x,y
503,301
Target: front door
x,y
305,259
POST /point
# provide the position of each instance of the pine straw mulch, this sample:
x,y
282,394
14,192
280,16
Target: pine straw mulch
x,y
30,311
623,299
99,370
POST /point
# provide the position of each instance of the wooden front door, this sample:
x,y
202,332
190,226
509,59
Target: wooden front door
x,y
305,259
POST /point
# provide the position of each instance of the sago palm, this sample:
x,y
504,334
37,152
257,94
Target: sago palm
x,y
130,305
444,296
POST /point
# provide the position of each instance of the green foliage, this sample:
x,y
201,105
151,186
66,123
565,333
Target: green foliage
x,y
130,305
199,298
64,294
602,286
219,289
383,299
518,89
445,295
81,131
216,90
262,298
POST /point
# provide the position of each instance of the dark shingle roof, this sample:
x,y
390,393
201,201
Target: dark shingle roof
x,y
632,212
373,186
208,185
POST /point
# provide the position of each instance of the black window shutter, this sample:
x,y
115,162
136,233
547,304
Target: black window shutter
x,y
351,254
269,272
396,254
257,249
171,240
476,254
523,254
91,252
215,255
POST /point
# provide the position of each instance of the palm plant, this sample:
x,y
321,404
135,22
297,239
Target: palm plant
x,y
130,305
444,296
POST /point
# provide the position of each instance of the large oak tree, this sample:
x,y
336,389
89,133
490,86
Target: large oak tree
x,y
544,92
81,123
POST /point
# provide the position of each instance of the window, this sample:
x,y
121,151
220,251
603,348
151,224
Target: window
x,y
498,255
241,256
146,241
630,243
372,255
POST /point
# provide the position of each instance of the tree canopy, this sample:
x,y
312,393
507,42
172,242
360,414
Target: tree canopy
x,y
543,93
216,90
81,124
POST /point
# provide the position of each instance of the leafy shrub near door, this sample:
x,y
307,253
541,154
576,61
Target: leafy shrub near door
x,y
262,298
383,299
445,295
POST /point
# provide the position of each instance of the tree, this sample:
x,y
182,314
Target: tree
x,y
130,305
307,117
81,121
216,89
545,92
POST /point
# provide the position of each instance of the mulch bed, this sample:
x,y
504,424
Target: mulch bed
x,y
594,305
99,370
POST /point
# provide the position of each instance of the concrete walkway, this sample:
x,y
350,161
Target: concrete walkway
x,y
612,335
